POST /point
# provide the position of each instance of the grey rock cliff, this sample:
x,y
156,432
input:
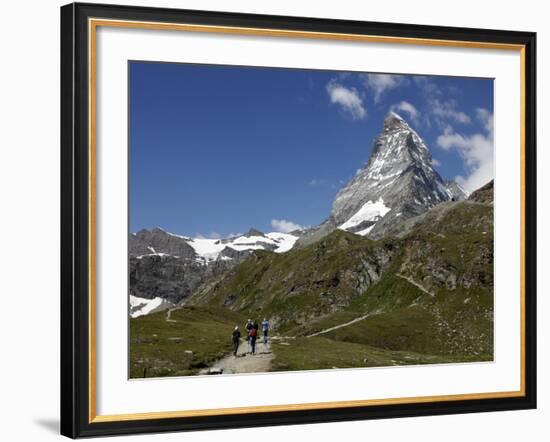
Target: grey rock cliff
x,y
158,241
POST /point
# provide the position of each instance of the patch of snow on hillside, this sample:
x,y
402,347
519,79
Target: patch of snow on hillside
x,y
285,241
207,248
210,249
153,254
370,211
252,240
365,231
241,247
142,306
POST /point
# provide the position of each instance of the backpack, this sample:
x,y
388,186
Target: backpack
x,y
253,332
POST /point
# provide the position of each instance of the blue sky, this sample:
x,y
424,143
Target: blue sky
x,y
215,150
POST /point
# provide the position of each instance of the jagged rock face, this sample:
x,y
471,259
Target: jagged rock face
x,y
170,277
397,183
457,192
399,174
231,253
158,241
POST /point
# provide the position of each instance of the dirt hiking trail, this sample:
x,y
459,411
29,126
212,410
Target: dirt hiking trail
x,y
243,362
416,284
336,327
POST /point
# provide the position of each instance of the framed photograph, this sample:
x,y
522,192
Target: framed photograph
x,y
279,220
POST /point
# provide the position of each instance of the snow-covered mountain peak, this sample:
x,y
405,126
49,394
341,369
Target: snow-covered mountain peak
x,y
398,182
394,122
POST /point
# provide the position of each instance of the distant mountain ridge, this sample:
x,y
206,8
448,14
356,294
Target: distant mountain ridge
x,y
159,241
164,266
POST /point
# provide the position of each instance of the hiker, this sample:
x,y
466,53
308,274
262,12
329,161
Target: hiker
x,y
249,327
265,329
236,339
253,334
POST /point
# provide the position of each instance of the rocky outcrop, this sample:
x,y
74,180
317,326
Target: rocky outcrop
x,y
157,240
484,194
169,277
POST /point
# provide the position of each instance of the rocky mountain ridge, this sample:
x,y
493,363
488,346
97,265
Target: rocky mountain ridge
x,y
165,268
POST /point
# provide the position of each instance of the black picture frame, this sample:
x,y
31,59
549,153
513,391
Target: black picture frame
x,y
75,221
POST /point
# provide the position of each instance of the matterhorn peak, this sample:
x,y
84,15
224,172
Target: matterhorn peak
x,y
398,182
394,122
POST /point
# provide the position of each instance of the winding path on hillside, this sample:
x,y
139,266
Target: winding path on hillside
x,y
336,327
361,318
169,315
416,284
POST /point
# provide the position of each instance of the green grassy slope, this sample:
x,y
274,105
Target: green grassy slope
x,y
198,336
320,353
293,287
449,255
428,294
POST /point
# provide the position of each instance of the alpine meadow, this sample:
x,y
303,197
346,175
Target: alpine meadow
x,y
285,220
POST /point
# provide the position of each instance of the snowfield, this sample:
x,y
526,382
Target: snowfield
x,y
210,248
285,241
370,211
143,306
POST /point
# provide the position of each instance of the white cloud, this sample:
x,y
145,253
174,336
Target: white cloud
x,y
447,110
407,108
381,83
428,86
282,225
486,118
436,162
439,110
348,99
476,150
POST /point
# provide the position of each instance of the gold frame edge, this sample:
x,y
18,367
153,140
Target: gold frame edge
x,y
93,23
